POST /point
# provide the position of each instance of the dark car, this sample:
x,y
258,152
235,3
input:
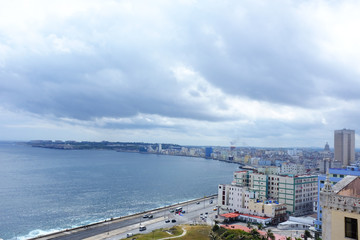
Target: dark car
x,y
198,203
173,220
167,220
142,228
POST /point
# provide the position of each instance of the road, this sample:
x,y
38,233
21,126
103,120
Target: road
x,y
192,215
118,228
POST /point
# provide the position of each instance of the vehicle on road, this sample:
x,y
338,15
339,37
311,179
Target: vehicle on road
x,y
172,210
211,201
147,216
215,209
167,220
129,235
142,228
173,220
179,209
198,203
206,213
183,211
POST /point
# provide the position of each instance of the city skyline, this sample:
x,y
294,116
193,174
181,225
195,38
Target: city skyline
x,y
252,73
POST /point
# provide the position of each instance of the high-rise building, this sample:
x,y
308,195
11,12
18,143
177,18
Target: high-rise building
x,y
344,146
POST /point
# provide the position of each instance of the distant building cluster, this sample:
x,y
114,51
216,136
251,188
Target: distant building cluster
x,y
279,186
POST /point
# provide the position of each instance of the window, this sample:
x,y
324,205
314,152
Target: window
x,y
351,228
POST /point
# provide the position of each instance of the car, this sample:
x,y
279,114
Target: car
x,y
172,210
183,211
201,214
206,213
129,235
214,209
167,220
173,220
142,228
198,203
146,216
150,216
211,201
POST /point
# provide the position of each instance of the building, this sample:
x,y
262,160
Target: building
x,y
208,152
341,209
298,192
235,198
246,205
344,146
335,175
292,168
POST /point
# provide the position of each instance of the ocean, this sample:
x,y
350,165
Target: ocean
x,y
46,190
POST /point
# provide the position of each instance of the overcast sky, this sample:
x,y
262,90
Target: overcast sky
x,y
277,73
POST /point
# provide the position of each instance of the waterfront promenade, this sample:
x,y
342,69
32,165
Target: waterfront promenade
x,y
117,228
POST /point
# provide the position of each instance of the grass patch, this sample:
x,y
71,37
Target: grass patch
x,y
159,233
198,232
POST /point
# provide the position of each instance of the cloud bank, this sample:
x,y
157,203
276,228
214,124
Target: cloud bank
x,y
279,73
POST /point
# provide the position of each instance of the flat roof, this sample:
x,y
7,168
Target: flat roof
x,y
230,215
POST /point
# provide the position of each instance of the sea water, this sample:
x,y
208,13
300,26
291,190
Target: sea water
x,y
45,190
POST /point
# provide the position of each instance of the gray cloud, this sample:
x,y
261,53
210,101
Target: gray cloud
x,y
218,63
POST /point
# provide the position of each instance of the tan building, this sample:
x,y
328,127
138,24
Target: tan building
x,y
273,209
344,146
341,209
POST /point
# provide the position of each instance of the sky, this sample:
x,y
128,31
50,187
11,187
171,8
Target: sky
x,y
281,73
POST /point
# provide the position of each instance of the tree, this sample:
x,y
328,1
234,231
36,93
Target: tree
x,y
254,232
307,234
270,234
248,224
215,228
213,236
260,226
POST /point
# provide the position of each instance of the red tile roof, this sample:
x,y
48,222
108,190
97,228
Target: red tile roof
x,y
230,215
249,215
246,229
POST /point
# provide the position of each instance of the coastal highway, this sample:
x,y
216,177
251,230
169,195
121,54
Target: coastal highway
x,y
119,227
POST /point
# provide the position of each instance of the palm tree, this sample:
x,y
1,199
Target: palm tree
x,y
307,235
213,236
254,233
270,234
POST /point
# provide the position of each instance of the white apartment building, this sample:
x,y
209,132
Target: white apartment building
x,y
297,192
235,198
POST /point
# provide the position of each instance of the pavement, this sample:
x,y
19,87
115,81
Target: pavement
x,y
118,228
195,213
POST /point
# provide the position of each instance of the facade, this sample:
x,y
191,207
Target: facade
x,y
235,198
208,152
246,203
297,192
335,175
341,209
292,168
344,146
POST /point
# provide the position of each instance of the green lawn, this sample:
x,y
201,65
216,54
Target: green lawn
x,y
198,232
159,233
